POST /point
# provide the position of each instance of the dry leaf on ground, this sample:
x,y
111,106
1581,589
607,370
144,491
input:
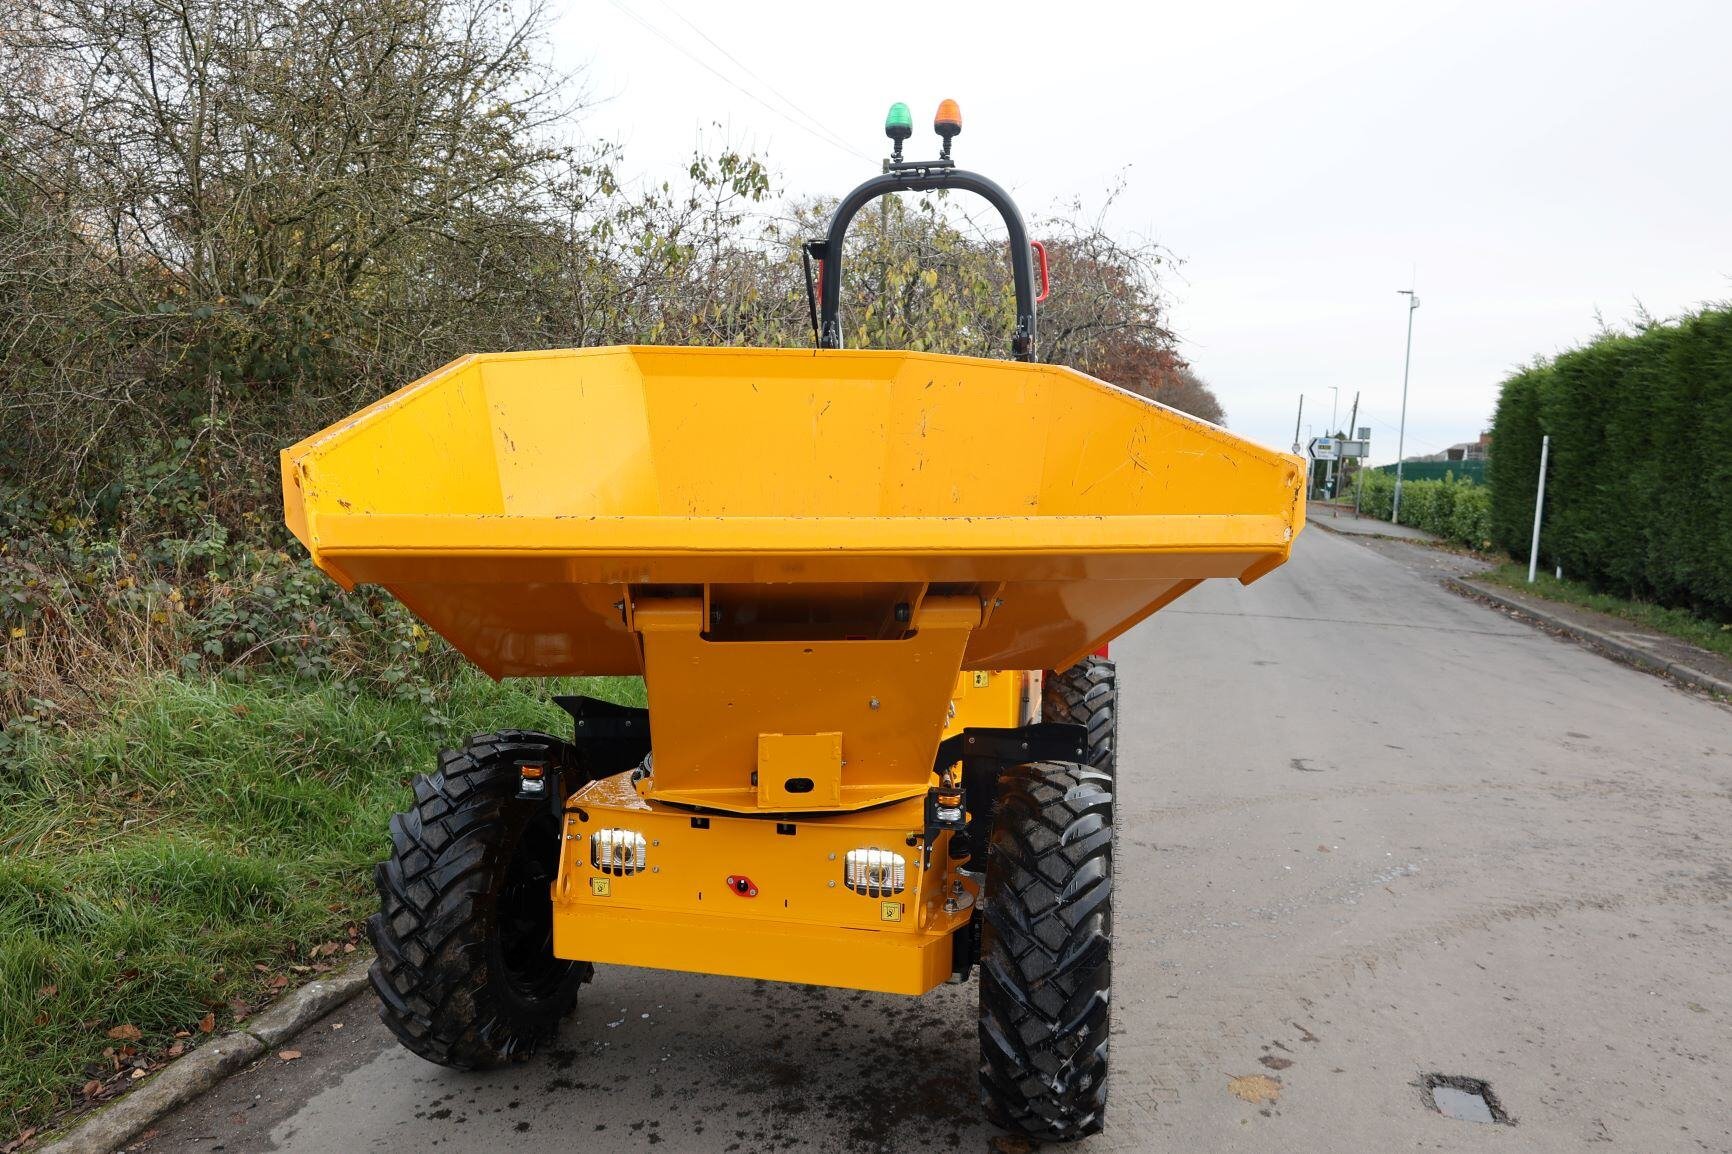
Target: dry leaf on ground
x,y
288,1055
126,1033
23,1139
1255,1088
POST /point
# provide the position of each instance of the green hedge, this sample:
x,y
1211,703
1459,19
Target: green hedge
x,y
1639,485
1437,470
1453,507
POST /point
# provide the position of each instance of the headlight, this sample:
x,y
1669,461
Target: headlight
x,y
874,872
617,851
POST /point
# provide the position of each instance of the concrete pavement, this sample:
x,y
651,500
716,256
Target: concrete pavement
x,y
1623,639
1369,830
1344,520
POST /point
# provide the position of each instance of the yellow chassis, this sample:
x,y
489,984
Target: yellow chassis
x,y
800,922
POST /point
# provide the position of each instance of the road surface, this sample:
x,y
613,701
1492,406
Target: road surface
x,y
1369,831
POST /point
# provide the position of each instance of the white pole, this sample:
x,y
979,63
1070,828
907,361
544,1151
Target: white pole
x,y
1539,507
1401,432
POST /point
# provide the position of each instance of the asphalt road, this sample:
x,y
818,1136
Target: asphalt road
x,y
1368,831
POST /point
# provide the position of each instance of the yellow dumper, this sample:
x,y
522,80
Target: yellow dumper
x,y
841,575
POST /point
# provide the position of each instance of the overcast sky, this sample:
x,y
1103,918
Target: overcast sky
x,y
1531,163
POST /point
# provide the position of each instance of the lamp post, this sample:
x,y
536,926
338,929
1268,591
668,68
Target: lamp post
x,y
1401,433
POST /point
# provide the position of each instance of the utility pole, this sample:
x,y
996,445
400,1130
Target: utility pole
x,y
1334,412
1353,434
1401,433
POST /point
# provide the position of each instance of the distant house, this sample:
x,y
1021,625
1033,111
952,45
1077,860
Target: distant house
x,y
1466,461
1478,450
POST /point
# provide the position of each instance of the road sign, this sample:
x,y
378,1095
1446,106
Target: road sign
x,y
1323,448
1354,450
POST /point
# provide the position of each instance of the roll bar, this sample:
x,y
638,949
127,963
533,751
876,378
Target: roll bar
x,y
923,176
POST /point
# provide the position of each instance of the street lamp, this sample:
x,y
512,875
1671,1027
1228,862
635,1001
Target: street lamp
x,y
1401,433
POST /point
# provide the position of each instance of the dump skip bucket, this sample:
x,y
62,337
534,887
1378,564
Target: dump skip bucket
x,y
513,500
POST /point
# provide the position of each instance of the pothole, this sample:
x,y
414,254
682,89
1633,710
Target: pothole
x,y
1464,1099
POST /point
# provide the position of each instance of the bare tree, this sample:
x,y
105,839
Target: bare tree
x,y
210,198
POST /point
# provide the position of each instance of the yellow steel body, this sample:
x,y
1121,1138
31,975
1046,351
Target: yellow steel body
x,y
803,924
732,721
986,697
818,561
512,499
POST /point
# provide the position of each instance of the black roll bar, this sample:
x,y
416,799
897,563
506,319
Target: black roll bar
x,y
918,177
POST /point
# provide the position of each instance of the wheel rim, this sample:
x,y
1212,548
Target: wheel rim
x,y
525,913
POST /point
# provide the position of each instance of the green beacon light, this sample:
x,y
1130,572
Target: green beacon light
x,y
898,126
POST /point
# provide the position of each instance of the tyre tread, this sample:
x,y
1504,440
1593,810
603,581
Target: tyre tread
x,y
431,932
1046,962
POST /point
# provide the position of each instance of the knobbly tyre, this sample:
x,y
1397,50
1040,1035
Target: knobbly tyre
x,y
841,574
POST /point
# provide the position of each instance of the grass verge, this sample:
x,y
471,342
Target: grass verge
x,y
1709,635
178,863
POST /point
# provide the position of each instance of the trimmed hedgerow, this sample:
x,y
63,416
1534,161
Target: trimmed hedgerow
x,y
1453,508
1639,483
